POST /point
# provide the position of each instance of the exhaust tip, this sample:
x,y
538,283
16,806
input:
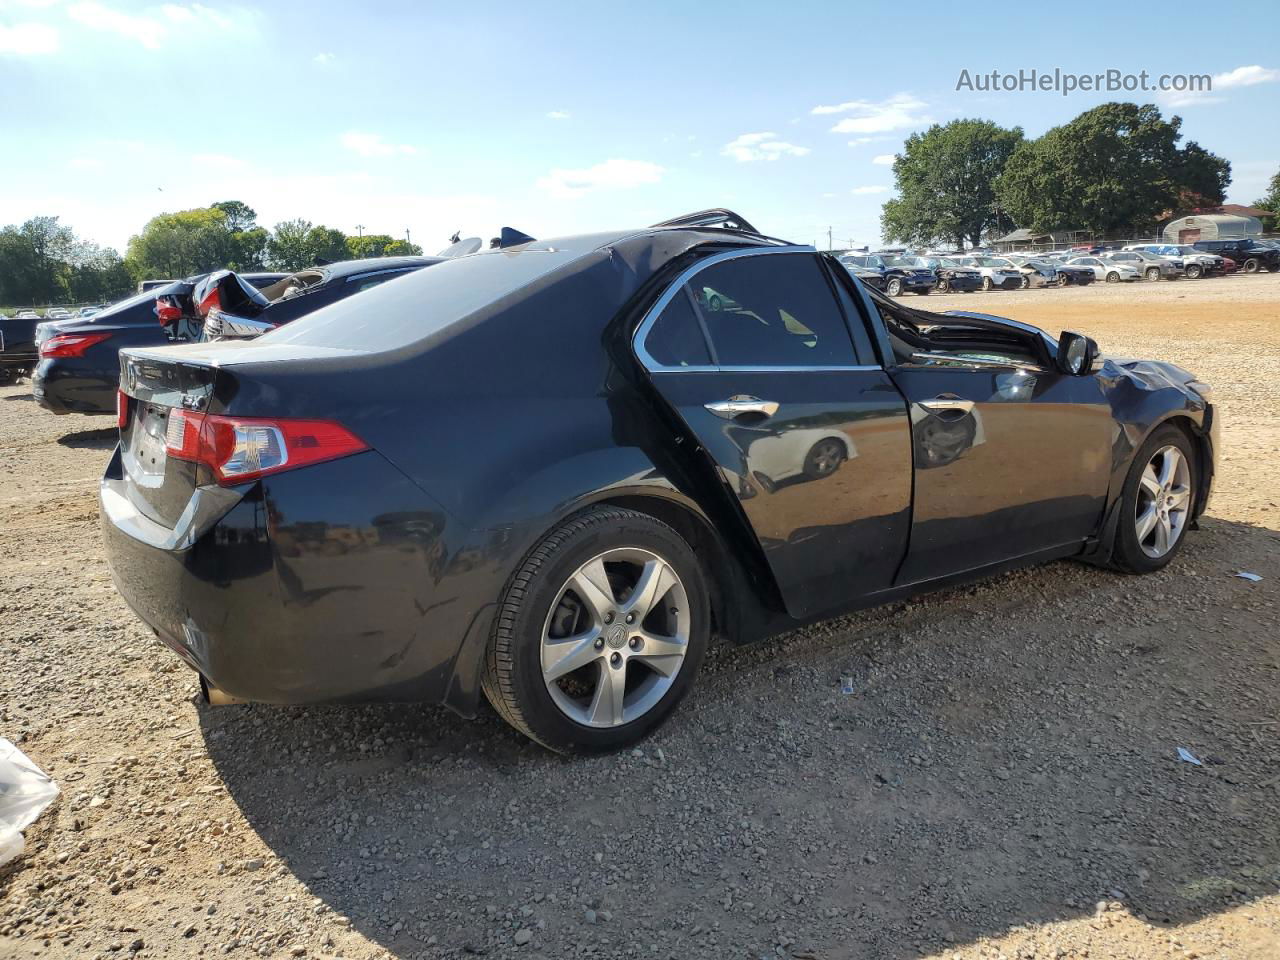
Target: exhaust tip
x,y
216,697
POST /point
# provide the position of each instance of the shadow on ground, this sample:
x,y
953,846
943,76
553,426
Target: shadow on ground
x,y
1009,758
104,439
20,396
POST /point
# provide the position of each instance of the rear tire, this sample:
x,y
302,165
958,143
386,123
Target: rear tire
x,y
1138,545
1252,265
543,622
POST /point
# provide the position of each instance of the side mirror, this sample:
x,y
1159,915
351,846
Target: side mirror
x,y
1076,353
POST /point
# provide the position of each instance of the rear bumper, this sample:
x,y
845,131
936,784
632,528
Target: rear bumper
x,y
320,585
62,387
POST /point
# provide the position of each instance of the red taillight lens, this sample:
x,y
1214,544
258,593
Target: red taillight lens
x,y
239,449
167,313
122,409
71,344
212,301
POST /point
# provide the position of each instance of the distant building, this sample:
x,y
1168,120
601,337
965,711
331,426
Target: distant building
x,y
1213,226
1024,239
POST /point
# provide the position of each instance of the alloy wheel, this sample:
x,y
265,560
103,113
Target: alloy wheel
x,y
616,637
1163,502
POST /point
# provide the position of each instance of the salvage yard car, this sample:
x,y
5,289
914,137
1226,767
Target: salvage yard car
x,y
231,309
1106,269
997,273
1150,265
538,474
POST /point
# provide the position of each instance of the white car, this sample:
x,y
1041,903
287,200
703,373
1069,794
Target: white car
x,y
811,453
1036,272
996,272
1195,263
1104,269
1148,264
86,312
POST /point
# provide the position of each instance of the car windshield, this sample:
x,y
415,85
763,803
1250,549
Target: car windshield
x,y
907,262
855,261
992,262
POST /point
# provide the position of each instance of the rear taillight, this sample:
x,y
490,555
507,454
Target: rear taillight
x,y
212,301
167,313
239,449
71,344
122,409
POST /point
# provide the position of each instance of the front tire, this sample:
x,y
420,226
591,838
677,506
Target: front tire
x,y
894,287
1252,265
1113,277
1157,503
600,633
1194,271
1153,273
986,284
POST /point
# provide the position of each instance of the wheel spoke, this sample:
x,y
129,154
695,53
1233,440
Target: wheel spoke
x,y
1151,483
591,583
1169,464
1179,498
661,654
1164,536
561,657
656,580
1146,521
606,704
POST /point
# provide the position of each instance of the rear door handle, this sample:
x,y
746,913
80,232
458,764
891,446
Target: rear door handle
x,y
741,404
947,402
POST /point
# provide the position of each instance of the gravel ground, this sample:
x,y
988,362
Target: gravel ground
x,y
1003,782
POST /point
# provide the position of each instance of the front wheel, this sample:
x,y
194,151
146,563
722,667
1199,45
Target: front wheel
x,y
1113,277
986,283
1157,502
1194,271
1153,273
600,633
894,287
943,285
1252,265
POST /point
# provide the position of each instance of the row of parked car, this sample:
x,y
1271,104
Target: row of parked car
x,y
897,273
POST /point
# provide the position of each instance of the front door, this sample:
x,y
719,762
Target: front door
x,y
1009,460
765,358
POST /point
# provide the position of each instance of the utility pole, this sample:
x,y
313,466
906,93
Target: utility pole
x,y
829,239
407,241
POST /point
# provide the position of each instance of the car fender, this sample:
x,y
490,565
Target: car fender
x,y
1143,395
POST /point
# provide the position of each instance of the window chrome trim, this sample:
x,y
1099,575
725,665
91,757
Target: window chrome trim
x,y
679,284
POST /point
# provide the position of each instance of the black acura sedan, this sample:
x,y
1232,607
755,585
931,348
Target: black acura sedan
x,y
549,473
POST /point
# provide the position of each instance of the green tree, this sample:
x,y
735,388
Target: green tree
x,y
1202,177
181,244
289,247
1115,168
239,216
1271,201
945,180
327,243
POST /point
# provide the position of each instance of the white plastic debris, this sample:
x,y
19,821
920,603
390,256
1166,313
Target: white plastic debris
x,y
1246,575
846,686
25,790
1188,757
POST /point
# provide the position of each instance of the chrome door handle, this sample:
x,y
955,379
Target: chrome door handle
x,y
741,404
947,403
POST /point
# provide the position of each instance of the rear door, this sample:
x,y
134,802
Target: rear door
x,y
766,357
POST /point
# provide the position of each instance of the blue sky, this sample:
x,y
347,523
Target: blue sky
x,y
561,117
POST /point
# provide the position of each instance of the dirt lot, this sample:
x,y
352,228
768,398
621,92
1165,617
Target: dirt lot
x,y
1002,783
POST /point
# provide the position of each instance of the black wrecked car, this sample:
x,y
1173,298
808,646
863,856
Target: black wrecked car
x,y
18,354
1251,256
223,306
549,473
79,366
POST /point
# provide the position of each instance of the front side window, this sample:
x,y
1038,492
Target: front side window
x,y
772,311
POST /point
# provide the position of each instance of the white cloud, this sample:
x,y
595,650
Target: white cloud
x,y
1245,77
864,191
217,161
28,39
613,174
324,59
372,145
96,16
902,111
558,115
152,30
761,146
1249,76
883,160
859,141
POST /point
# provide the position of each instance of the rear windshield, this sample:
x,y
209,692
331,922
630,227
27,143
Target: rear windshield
x,y
136,299
410,308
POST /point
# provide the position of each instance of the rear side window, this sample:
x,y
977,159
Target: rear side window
x,y
676,340
772,311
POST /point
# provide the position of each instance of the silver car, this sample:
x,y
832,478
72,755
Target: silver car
x,y
1106,269
1148,264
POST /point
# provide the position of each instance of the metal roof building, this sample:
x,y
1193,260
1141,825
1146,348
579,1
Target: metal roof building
x,y
1212,226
